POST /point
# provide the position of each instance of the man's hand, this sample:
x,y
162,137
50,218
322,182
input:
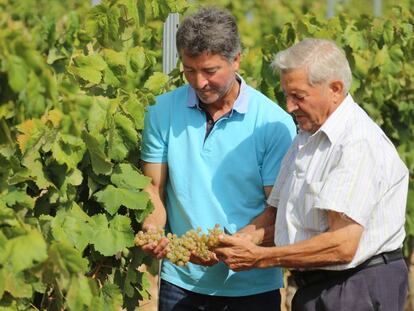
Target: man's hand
x,y
158,250
194,258
238,253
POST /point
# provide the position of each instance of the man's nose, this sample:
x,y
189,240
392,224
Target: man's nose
x,y
291,105
200,81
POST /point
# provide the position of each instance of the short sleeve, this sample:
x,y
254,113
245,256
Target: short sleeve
x,y
352,187
154,147
279,136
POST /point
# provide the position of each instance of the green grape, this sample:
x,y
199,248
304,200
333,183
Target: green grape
x,y
181,248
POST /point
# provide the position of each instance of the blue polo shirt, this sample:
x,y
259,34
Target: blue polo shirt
x,y
217,179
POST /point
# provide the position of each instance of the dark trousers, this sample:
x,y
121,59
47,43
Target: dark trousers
x,y
383,287
174,298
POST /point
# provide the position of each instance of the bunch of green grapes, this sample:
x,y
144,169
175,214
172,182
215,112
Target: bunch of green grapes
x,y
150,236
181,248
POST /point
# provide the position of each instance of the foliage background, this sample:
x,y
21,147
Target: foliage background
x,y
74,84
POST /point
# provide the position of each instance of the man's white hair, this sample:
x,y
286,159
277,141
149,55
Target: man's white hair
x,y
322,59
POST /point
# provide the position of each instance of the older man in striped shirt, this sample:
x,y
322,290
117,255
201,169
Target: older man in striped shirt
x,y
340,197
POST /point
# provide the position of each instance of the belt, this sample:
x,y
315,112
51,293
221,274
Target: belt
x,y
305,278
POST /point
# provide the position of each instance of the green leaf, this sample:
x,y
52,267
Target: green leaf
x,y
36,169
66,259
127,177
114,58
135,59
145,285
110,78
156,82
20,198
97,114
2,282
72,227
112,296
17,72
16,285
136,110
80,293
122,137
26,251
32,131
132,9
89,67
110,238
177,6
112,198
68,150
100,164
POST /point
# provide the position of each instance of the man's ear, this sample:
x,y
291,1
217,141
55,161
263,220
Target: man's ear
x,y
236,62
337,89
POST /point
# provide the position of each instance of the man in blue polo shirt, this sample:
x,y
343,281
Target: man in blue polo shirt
x,y
213,149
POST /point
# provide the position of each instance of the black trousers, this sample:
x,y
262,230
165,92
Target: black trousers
x,y
383,287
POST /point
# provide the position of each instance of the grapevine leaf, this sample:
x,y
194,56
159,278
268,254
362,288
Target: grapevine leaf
x,y
132,9
145,285
112,198
135,59
2,282
87,74
112,295
32,162
97,114
156,82
89,67
15,284
127,130
19,197
136,110
54,116
130,280
126,176
72,227
110,78
68,150
17,72
110,238
177,6
26,250
32,132
80,293
100,164
122,137
114,58
66,259
113,16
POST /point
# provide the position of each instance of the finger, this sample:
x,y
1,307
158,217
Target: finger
x,y
225,239
148,248
162,244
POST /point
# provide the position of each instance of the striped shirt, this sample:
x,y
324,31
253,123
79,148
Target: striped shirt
x,y
348,166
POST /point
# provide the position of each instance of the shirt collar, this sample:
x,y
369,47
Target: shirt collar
x,y
240,105
335,124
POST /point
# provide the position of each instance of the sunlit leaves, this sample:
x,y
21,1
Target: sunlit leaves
x,y
18,73
89,67
100,163
112,198
25,251
72,227
113,236
156,82
126,176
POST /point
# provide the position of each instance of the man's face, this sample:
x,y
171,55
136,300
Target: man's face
x,y
311,105
211,75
